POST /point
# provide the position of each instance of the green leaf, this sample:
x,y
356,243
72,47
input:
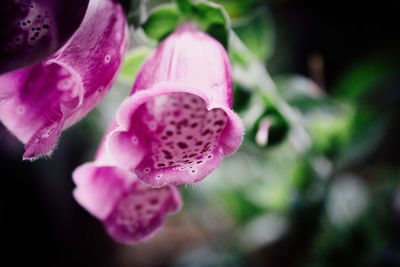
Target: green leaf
x,y
209,13
133,62
236,8
211,18
364,77
184,5
208,16
161,22
257,32
328,127
366,130
236,203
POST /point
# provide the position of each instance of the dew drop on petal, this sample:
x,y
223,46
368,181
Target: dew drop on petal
x,y
134,140
21,110
107,59
193,171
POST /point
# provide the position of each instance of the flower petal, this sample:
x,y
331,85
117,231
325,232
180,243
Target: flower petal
x,y
178,123
32,30
130,210
141,212
39,101
99,188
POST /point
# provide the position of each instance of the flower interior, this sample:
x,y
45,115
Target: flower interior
x,y
140,212
47,93
179,134
33,26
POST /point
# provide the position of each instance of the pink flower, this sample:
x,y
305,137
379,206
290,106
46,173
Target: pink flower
x,y
130,210
178,122
39,101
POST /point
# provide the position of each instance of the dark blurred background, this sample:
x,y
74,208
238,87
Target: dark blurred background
x,y
337,204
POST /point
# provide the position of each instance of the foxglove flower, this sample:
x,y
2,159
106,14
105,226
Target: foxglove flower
x,y
32,30
130,210
178,122
39,101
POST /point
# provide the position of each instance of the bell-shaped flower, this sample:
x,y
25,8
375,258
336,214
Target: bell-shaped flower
x,y
39,101
178,122
32,30
130,210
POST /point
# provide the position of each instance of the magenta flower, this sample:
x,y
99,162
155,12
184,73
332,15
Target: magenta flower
x,y
178,122
39,101
130,210
32,30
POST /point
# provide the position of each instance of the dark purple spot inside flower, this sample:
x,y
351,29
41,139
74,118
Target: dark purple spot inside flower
x,y
183,123
196,125
219,123
206,132
182,145
45,26
153,201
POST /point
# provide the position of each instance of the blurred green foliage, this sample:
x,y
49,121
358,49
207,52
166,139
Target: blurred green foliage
x,y
161,22
317,186
133,61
